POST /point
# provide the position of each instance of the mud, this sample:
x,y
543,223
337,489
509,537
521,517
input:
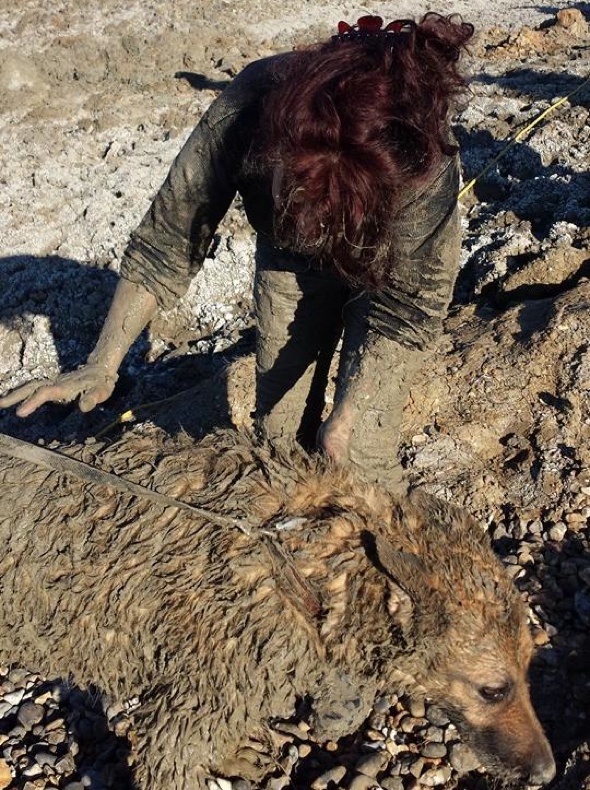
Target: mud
x,y
96,99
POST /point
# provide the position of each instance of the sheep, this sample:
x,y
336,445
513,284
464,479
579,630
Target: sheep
x,y
291,579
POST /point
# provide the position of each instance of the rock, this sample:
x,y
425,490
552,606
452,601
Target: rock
x,y
45,758
572,19
66,765
557,532
462,758
540,637
5,774
14,697
332,777
372,764
436,716
434,750
30,714
435,777
363,782
417,707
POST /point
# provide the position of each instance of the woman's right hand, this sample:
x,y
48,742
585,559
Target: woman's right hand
x,y
91,383
131,309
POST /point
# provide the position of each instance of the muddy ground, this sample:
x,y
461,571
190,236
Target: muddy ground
x,y
97,98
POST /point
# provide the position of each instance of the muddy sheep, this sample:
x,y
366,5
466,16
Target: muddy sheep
x,y
303,583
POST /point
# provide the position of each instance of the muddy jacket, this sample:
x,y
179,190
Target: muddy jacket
x,y
170,244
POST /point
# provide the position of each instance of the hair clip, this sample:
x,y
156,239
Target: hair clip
x,y
372,26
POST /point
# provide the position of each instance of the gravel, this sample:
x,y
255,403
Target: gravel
x,y
525,237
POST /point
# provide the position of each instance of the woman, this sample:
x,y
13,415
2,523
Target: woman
x,y
349,175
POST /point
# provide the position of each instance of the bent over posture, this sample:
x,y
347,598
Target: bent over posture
x,y
349,175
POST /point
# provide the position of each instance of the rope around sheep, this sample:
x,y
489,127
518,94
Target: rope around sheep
x,y
287,577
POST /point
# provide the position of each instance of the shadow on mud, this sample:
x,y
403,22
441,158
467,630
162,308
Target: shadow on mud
x,y
200,82
549,85
57,306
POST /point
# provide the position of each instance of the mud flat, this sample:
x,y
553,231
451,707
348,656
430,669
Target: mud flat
x,y
96,99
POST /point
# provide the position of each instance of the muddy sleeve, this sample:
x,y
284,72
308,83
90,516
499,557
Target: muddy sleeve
x,y
425,253
169,246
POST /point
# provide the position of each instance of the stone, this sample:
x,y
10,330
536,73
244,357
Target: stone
x,y
329,778
435,777
462,758
363,782
371,764
436,716
30,714
5,774
434,750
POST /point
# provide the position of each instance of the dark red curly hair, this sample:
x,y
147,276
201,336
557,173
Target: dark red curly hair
x,y
354,121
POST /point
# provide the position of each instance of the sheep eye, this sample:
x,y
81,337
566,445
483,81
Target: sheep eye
x,y
495,694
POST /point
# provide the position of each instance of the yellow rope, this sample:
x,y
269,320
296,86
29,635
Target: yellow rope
x,y
470,184
131,414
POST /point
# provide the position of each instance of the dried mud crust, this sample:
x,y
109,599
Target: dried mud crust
x,y
96,101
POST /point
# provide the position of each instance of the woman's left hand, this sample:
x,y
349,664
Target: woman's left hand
x,y
334,435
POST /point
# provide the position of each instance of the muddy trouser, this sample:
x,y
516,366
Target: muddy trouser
x,y
301,315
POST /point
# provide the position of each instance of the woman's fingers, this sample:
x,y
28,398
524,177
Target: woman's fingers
x,y
98,394
91,383
49,392
22,393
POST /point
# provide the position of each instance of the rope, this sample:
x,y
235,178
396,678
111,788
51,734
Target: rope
x,y
58,462
513,140
287,577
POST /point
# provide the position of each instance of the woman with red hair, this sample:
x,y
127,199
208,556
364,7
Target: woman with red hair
x,y
349,175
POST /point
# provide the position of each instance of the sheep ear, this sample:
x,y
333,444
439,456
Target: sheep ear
x,y
404,571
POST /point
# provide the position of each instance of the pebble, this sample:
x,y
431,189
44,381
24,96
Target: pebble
x,y
557,532
32,771
333,776
434,750
66,765
392,783
575,518
5,774
417,708
434,777
279,782
411,723
363,782
394,748
371,764
43,758
416,767
540,637
19,676
462,758
30,714
434,735
14,697
437,716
